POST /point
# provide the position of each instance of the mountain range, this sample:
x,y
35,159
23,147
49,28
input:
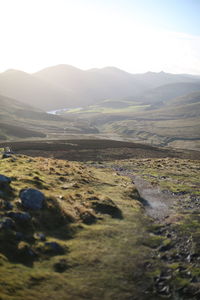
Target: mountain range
x,y
65,86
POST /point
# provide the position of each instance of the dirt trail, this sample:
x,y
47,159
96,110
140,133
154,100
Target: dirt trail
x,y
158,204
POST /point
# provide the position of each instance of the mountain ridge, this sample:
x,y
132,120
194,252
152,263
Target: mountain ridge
x,y
63,86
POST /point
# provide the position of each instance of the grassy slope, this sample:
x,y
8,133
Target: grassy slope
x,y
12,124
171,123
174,124
102,259
114,258
21,121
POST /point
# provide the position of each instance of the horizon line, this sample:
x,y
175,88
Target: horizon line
x,y
97,68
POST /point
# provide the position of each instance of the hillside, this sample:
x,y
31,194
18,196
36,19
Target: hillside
x,y
164,93
155,80
33,91
65,86
173,122
75,230
11,125
22,121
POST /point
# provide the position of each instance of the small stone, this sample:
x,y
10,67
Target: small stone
x,y
32,199
40,236
188,258
164,290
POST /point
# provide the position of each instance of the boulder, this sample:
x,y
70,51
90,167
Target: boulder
x,y
32,199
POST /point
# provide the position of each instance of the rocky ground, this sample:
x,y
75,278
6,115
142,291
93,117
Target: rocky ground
x,y
170,192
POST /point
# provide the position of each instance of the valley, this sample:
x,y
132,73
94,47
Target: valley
x,y
100,150
100,200
159,109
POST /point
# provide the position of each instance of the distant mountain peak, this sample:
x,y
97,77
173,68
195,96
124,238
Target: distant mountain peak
x,y
14,71
60,68
109,70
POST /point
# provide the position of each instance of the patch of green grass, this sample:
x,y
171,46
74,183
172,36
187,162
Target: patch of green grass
x,y
108,110
101,260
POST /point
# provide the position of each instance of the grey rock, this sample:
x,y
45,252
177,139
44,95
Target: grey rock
x,y
40,236
32,199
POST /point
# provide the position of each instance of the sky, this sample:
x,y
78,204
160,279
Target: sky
x,y
134,35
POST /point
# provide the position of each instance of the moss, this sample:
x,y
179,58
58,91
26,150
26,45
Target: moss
x,y
180,282
153,241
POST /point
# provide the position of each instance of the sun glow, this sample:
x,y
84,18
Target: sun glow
x,y
40,33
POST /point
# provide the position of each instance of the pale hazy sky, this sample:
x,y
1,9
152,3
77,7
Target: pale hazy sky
x,y
134,35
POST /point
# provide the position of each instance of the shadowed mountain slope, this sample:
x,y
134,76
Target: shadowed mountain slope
x,y
168,92
31,90
12,115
